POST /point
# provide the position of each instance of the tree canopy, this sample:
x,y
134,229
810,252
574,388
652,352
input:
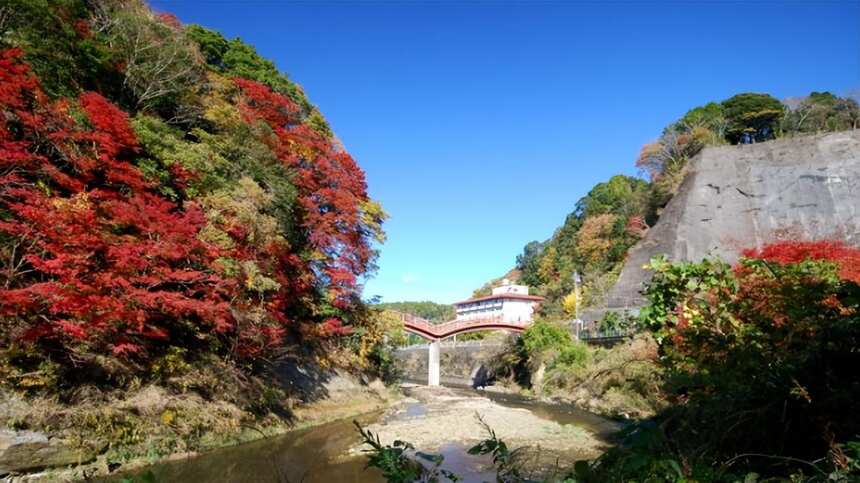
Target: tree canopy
x,y
166,191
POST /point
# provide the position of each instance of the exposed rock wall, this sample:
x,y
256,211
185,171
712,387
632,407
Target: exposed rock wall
x,y
735,197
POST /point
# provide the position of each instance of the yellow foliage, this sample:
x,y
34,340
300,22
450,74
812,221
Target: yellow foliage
x,y
219,109
570,302
167,417
372,217
242,205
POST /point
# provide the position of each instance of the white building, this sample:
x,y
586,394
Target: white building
x,y
509,303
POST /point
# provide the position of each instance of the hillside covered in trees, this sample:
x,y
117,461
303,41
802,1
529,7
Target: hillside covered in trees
x,y
174,212
606,222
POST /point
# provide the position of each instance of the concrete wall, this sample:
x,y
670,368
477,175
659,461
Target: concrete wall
x,y
517,310
509,310
458,364
746,196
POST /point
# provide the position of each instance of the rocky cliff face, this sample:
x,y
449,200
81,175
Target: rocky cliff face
x,y
735,197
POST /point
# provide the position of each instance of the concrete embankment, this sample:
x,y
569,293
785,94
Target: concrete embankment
x,y
462,364
735,197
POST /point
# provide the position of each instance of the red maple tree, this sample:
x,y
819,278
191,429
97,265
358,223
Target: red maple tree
x,y
99,260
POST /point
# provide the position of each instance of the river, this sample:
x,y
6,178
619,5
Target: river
x,y
440,420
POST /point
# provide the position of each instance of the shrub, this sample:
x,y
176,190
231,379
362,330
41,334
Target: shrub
x,y
542,336
573,355
760,357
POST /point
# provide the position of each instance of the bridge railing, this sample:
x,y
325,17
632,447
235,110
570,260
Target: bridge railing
x,y
595,334
445,329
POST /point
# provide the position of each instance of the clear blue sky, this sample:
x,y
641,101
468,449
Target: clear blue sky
x,y
480,124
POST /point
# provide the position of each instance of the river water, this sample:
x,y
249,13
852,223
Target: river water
x,y
322,454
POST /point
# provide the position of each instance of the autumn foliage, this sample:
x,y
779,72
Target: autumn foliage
x,y
101,259
785,252
762,356
98,259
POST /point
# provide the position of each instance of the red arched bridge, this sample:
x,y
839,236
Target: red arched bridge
x,y
436,332
433,332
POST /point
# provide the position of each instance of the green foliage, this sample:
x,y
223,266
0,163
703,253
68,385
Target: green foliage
x,y
711,116
235,58
426,310
572,355
593,241
543,336
212,44
759,355
166,145
399,462
624,196
542,342
822,111
527,263
172,363
160,67
504,459
616,322
65,59
758,115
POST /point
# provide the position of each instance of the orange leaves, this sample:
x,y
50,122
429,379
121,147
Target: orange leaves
x,y
594,238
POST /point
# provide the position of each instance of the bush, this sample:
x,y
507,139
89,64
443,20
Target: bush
x,y
760,358
542,336
573,355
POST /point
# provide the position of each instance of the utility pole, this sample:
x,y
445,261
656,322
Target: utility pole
x,y
576,281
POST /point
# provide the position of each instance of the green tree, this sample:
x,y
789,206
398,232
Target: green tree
x,y
426,310
528,263
238,59
711,116
624,196
822,111
59,45
757,115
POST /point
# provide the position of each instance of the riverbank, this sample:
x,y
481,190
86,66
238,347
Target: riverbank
x,y
152,426
334,452
622,382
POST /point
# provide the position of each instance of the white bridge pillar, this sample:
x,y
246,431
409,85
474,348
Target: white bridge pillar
x,y
433,364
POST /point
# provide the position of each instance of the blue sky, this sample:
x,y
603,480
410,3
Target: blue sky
x,y
480,124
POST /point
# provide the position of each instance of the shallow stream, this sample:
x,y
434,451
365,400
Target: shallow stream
x,y
326,453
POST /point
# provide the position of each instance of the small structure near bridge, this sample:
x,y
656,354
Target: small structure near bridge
x,y
510,308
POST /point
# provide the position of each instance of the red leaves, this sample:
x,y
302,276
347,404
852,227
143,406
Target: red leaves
x,y
785,252
112,266
110,262
262,103
17,84
330,183
170,20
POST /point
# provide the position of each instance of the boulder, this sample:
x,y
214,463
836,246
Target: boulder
x,y
30,450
